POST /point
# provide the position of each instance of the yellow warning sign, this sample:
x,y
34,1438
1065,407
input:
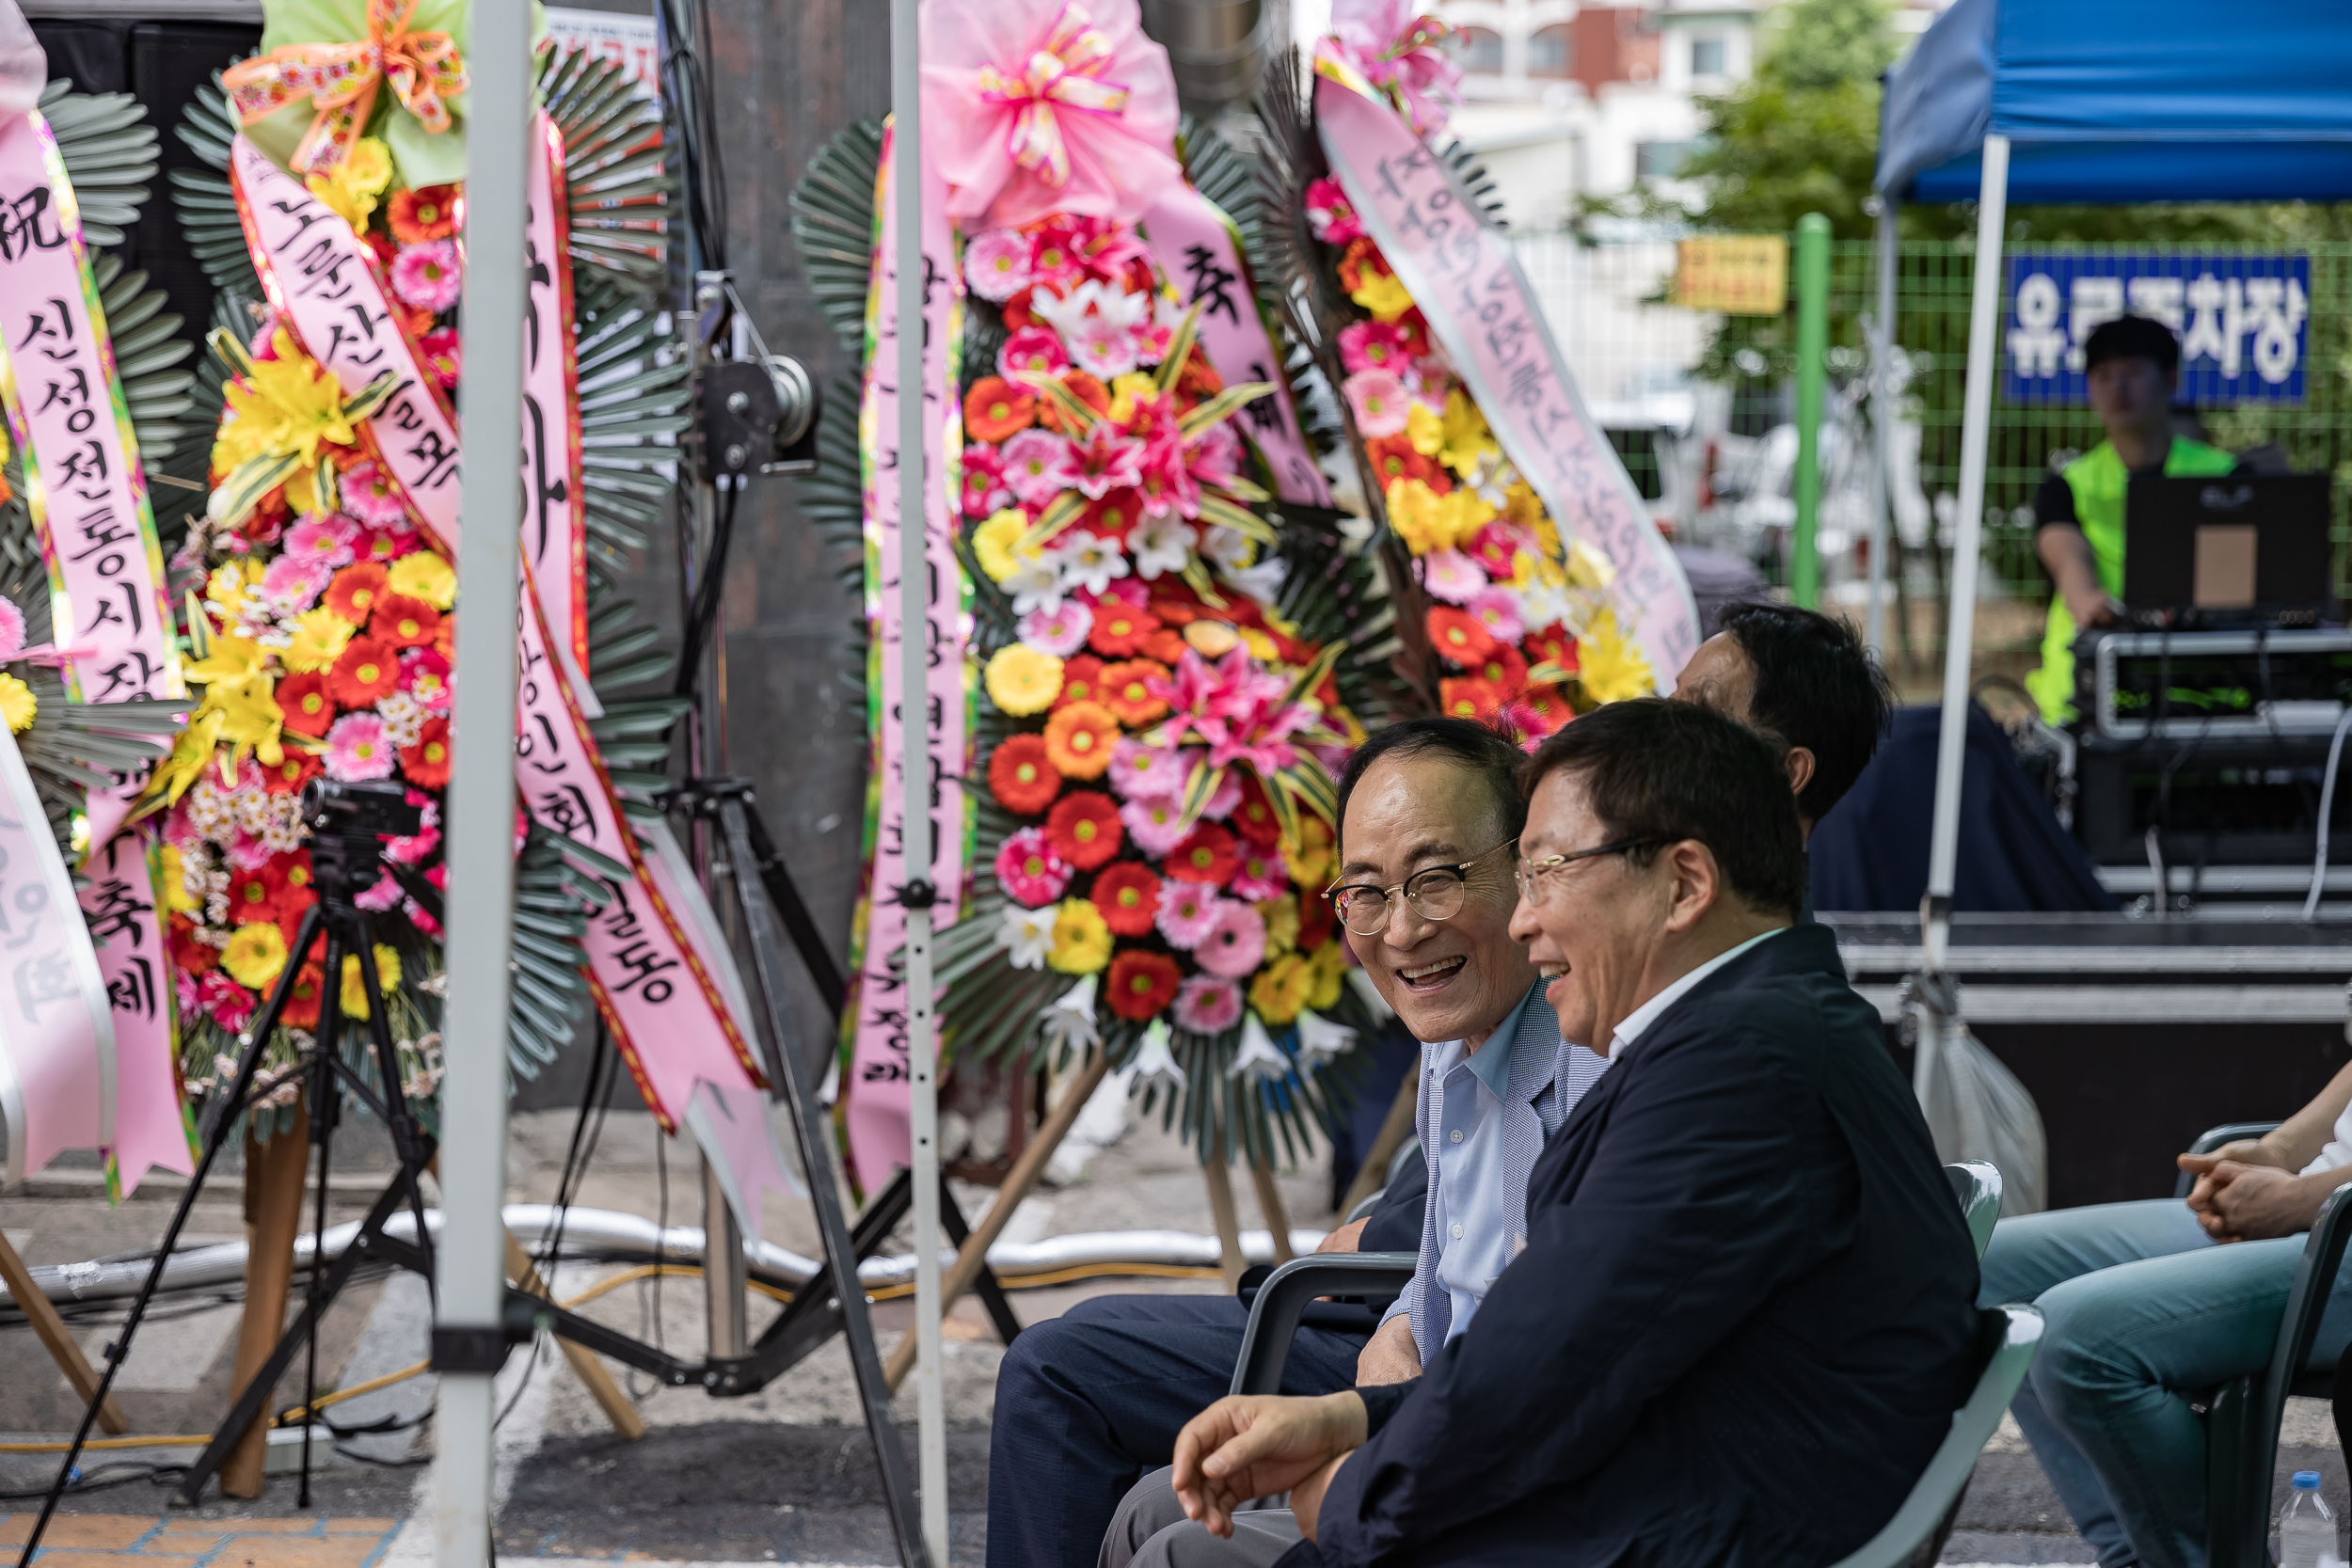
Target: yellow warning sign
x,y
1739,275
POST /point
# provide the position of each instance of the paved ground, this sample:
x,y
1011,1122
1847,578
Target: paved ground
x,y
783,1476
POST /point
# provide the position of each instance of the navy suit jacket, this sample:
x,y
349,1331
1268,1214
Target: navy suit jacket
x,y
1740,1325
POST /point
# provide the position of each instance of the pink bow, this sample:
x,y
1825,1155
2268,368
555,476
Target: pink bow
x,y
1063,70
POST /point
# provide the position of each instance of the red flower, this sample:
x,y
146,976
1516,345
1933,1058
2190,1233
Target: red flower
x,y
404,621
1129,897
1120,630
1393,457
1206,856
1413,328
189,956
1254,817
296,891
1022,777
368,672
1504,670
353,592
1316,923
427,212
1468,697
302,1003
1551,645
1459,636
1545,706
253,895
1084,829
1113,515
1141,984
1081,682
1362,260
443,356
426,764
292,771
1127,692
994,408
1166,646
307,705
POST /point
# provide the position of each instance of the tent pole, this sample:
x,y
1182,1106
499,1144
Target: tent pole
x,y
1882,426
915,576
1976,434
471,1262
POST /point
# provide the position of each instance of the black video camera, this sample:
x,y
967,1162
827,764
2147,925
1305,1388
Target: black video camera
x,y
378,808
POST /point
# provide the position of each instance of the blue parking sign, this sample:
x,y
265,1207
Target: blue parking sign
x,y
2244,320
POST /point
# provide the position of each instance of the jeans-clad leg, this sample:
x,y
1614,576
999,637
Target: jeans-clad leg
x,y
1087,1401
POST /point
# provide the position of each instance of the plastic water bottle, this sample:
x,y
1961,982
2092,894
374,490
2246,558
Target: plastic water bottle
x,y
2307,1532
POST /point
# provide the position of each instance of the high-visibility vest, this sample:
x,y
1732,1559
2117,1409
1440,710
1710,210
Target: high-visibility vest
x,y
2098,479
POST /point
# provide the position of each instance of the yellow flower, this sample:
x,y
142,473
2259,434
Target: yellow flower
x,y
1425,429
1082,943
319,638
422,575
1413,514
1330,967
1022,681
1281,925
1308,860
1211,639
237,700
1588,567
1464,436
351,188
1282,987
1124,391
256,956
1262,647
1385,297
994,540
18,704
175,876
1609,664
286,404
1519,504
191,754
225,588
355,997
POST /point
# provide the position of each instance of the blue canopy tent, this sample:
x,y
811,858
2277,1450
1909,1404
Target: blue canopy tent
x,y
2094,101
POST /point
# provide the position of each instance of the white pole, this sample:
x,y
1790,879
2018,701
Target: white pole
x,y
472,1266
914,694
1975,437
1882,414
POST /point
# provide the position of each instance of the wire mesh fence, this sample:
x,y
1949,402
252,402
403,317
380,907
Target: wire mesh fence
x,y
1700,405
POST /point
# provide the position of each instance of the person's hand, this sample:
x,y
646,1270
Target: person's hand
x,y
1307,1497
1347,1238
2090,606
2239,1155
1249,1446
1389,1356
2254,1203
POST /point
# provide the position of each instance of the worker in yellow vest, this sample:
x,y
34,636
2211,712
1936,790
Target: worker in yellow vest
x,y
2134,367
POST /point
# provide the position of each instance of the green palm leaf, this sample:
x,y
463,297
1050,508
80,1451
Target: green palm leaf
x,y
832,228
108,150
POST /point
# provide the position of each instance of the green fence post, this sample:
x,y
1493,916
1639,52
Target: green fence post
x,y
1805,561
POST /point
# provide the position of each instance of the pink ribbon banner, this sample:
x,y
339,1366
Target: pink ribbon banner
x,y
667,1013
66,418
1198,251
877,1113
323,284
1467,282
152,1127
553,532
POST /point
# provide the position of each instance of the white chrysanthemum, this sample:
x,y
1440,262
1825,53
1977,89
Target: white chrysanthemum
x,y
1089,562
1164,545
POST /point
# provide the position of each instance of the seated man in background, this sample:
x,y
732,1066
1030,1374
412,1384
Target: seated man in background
x,y
1429,814
2152,1305
1741,1321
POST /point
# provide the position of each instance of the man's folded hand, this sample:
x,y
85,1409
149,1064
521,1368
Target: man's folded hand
x,y
1389,1356
1249,1446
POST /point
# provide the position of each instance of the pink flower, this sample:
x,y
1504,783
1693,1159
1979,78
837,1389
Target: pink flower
x,y
1380,400
1106,461
11,630
1207,1005
1105,348
1221,800
1498,611
385,894
1029,871
1031,350
1141,772
984,489
1156,825
1396,49
1236,945
1060,632
996,263
230,1004
408,852
385,545
184,983
426,274
355,747
1039,466
438,876
1216,457
1188,912
1127,591
1237,708
370,495
1450,576
1498,544
326,539
1331,216
424,676
296,581
1261,875
1373,346
441,351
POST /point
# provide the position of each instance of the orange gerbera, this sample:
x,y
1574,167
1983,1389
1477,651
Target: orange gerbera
x,y
404,622
1078,740
1127,692
1504,669
302,1003
1363,258
418,215
1552,645
1022,777
354,590
1081,681
1198,378
1084,829
1129,897
994,408
1393,457
368,672
306,703
1468,697
426,763
1086,389
1458,635
1546,705
1119,630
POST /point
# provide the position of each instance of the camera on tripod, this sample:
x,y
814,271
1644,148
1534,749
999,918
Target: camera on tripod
x,y
372,808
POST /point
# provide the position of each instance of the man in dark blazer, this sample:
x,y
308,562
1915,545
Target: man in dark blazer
x,y
1742,1318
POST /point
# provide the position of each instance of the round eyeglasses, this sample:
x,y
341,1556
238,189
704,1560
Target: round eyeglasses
x,y
1435,893
1535,877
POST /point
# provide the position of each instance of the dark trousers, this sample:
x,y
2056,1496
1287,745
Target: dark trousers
x,y
1087,1401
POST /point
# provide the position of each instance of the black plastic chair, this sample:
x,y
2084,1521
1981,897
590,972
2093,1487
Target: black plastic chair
x,y
2241,1416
